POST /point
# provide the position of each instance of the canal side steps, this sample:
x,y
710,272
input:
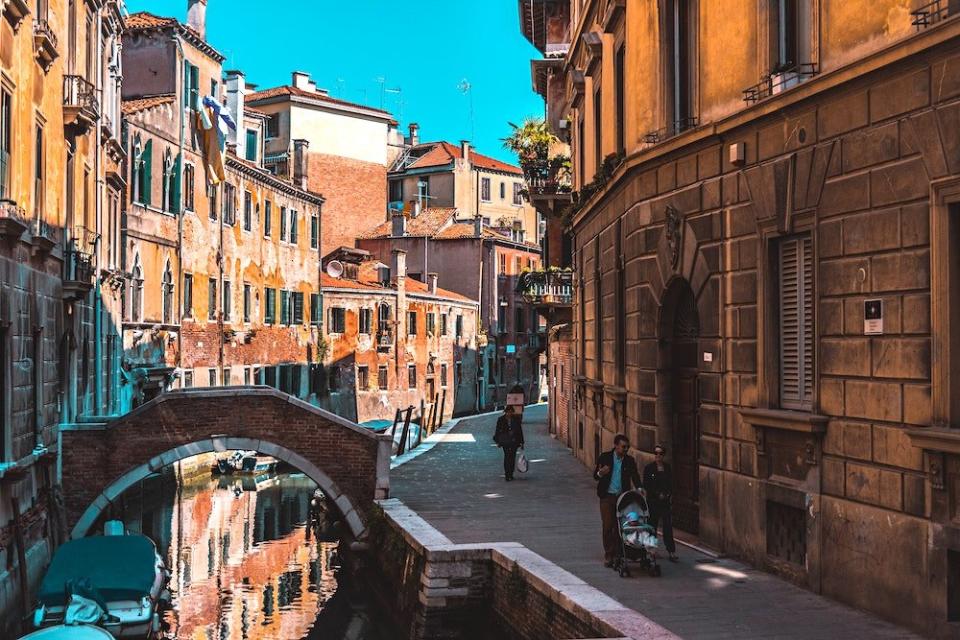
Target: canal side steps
x,y
464,585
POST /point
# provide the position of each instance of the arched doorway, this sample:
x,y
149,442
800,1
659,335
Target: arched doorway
x,y
680,330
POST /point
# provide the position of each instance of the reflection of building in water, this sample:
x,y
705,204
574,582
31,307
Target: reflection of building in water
x,y
243,565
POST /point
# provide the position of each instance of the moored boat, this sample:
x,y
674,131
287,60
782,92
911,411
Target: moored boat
x,y
117,582
70,632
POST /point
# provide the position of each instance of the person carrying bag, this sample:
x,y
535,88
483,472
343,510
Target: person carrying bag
x,y
509,437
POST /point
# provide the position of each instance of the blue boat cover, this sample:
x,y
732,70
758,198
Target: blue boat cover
x,y
119,567
378,426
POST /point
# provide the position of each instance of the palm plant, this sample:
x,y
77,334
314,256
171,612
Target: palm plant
x,y
531,140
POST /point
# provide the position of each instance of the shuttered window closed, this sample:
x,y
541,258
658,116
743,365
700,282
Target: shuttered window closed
x,y
796,323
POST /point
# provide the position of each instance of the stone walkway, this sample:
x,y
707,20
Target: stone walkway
x,y
458,487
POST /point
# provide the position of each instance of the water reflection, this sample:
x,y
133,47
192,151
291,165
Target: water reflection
x,y
246,563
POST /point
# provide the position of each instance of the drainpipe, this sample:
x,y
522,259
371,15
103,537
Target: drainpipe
x,y
98,245
180,208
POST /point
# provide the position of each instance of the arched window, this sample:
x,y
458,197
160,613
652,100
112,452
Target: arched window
x,y
136,168
167,295
167,202
136,292
384,320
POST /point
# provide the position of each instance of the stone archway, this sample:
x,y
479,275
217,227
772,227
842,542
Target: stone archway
x,y
349,463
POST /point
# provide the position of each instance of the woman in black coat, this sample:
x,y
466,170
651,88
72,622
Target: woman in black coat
x,y
509,437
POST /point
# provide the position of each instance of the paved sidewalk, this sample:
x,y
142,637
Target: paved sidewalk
x,y
458,487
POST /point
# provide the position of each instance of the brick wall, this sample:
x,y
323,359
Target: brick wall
x,y
561,363
356,197
437,589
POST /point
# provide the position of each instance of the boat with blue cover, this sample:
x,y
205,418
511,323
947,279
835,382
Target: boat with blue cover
x,y
118,582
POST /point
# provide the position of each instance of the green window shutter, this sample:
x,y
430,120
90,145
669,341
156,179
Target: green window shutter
x,y
147,172
195,87
186,83
175,196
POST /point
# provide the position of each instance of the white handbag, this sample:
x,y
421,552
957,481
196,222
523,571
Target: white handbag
x,y
522,463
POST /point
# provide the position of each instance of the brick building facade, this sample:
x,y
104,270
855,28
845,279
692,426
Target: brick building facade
x,y
512,339
225,276
347,147
775,197
395,342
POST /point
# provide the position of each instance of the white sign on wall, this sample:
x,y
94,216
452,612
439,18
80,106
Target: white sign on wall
x,y
872,317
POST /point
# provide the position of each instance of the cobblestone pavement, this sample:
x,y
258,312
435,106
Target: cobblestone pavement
x,y
458,487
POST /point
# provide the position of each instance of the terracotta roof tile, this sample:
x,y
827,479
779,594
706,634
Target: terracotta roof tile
x,y
413,286
145,20
428,223
444,153
289,90
141,104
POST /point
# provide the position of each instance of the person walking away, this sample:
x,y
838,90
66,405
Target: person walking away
x,y
615,473
509,437
658,482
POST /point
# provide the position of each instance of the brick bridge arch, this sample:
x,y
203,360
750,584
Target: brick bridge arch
x,y
349,463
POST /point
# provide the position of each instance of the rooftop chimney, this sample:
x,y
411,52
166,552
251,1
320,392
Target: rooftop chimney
x,y
301,80
399,220
478,226
300,160
465,151
414,129
236,91
398,267
432,286
197,16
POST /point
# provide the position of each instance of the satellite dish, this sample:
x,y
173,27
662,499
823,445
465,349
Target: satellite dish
x,y
334,268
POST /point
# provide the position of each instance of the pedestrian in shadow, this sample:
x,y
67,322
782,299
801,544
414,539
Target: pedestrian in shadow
x,y
658,481
615,473
509,437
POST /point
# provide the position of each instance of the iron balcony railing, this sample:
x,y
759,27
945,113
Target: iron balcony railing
x,y
546,287
779,81
79,94
546,177
78,265
674,128
933,12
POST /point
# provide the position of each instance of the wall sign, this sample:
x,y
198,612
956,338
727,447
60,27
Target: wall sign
x,y
511,348
872,317
707,356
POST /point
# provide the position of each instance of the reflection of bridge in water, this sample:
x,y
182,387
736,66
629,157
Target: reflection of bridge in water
x,y
244,562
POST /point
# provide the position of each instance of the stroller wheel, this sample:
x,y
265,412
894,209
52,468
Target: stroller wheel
x,y
624,571
655,571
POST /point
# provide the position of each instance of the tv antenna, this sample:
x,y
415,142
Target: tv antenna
x,y
399,93
380,80
467,89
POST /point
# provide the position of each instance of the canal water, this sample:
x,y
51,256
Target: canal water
x,y
247,563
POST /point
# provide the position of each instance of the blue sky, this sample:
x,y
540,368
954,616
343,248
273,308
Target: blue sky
x,y
424,47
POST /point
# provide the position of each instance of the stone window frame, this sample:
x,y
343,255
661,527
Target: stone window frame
x,y
669,107
944,302
363,377
810,45
768,336
383,377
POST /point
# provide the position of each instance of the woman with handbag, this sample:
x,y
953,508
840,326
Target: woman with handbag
x,y
509,437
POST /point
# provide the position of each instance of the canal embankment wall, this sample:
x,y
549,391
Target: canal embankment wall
x,y
441,590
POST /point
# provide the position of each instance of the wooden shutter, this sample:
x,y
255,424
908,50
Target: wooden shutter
x,y
175,195
145,197
796,323
195,87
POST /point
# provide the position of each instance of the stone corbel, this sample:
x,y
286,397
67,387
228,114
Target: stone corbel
x,y
936,441
597,387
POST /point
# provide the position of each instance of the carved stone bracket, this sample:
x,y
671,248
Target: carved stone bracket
x,y
618,401
936,470
936,442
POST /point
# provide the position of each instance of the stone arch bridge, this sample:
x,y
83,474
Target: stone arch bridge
x,y
349,463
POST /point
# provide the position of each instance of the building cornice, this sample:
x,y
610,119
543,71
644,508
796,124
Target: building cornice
x,y
274,182
941,35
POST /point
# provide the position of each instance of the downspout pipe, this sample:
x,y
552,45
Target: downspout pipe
x,y
98,245
180,206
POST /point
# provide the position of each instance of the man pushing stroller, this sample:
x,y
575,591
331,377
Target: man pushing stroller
x,y
616,473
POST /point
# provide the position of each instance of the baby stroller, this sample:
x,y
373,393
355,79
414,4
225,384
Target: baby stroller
x,y
638,540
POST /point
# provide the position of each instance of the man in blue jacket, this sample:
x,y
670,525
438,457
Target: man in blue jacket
x,y
615,473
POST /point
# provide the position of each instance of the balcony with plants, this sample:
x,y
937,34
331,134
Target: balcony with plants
x,y
550,287
545,164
